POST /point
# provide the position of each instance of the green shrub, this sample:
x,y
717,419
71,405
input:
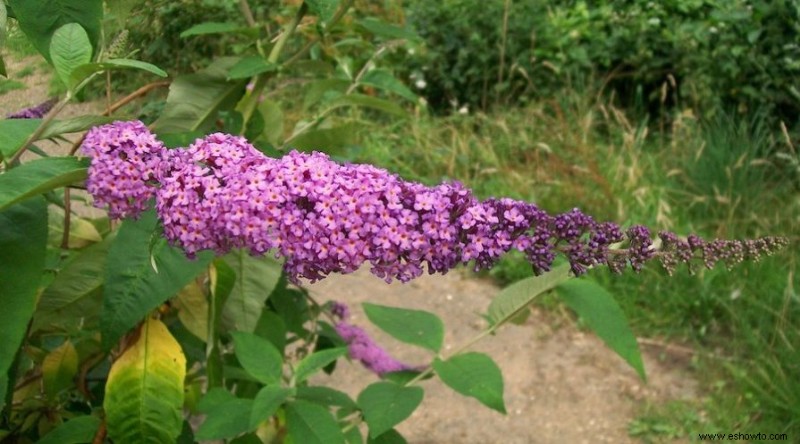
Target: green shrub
x,y
654,55
155,27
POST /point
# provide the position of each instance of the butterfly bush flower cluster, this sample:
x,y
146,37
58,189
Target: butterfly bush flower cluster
x,y
324,217
34,112
361,347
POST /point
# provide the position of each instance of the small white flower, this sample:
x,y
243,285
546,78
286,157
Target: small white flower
x,y
713,29
420,83
464,110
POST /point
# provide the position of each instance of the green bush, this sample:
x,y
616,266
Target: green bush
x,y
652,55
155,27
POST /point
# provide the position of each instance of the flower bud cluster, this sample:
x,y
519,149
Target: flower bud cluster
x,y
125,157
323,217
34,112
362,348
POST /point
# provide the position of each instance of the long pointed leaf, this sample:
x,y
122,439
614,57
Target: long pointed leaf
x,y
87,69
255,280
311,424
603,315
23,243
39,176
74,297
416,327
513,299
41,18
475,375
133,287
195,99
69,49
386,404
75,431
14,132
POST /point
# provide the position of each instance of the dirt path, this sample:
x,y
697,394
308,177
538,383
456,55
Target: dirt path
x,y
562,385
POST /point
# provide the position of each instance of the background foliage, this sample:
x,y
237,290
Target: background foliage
x,y
673,54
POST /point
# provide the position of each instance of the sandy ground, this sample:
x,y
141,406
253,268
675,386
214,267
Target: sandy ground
x,y
562,385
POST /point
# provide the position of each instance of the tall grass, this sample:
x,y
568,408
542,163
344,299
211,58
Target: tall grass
x,y
717,178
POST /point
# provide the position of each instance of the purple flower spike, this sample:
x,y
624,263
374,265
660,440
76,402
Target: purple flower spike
x,y
34,112
324,217
362,348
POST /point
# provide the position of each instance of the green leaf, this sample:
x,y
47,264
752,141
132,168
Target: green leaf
x,y
368,102
41,18
386,30
311,424
316,362
23,242
213,398
14,133
386,404
603,315
69,49
58,368
266,403
258,357
195,99
133,288
250,438
325,396
324,9
256,277
80,430
475,375
74,125
217,28
39,176
85,70
353,436
518,296
415,327
176,140
81,231
144,391
249,67
325,139
383,79
389,437
323,88
273,121
74,297
226,420
272,328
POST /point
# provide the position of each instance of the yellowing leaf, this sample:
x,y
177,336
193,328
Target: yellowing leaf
x,y
59,367
81,231
192,307
144,392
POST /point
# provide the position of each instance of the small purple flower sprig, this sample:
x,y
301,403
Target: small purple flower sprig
x,y
362,348
34,112
221,193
